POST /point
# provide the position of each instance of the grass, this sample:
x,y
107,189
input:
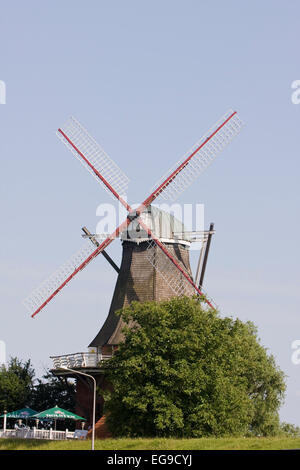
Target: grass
x,y
264,443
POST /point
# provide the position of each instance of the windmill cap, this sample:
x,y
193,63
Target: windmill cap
x,y
161,223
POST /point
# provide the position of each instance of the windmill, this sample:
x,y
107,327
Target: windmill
x,y
155,263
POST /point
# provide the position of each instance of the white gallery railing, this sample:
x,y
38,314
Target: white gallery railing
x,y
37,434
82,359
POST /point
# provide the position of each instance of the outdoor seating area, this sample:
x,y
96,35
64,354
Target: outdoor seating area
x,y
46,420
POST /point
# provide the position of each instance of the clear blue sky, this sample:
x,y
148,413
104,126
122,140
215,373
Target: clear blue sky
x,y
148,79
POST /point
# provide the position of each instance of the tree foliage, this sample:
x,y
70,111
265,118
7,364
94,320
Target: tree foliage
x,y
19,388
184,371
290,430
50,391
16,381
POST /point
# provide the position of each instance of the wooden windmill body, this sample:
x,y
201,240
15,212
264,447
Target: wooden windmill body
x,y
138,280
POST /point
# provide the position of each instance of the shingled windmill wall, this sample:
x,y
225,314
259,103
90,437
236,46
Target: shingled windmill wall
x,y
138,280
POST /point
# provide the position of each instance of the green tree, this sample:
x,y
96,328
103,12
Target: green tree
x,y
16,381
19,388
50,391
289,430
185,371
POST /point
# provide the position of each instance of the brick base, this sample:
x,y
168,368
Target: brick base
x,y
101,430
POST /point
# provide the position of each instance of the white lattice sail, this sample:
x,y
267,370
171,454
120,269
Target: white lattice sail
x,y
175,280
81,142
165,268
203,153
50,285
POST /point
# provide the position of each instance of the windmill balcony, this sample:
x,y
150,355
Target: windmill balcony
x,y
79,360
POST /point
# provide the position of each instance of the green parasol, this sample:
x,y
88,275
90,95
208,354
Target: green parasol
x,y
24,413
58,413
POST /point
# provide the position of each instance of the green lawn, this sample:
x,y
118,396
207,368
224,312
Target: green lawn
x,y
156,444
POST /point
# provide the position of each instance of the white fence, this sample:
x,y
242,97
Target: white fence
x,y
81,360
37,434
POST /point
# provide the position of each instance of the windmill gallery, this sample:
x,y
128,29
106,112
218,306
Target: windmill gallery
x,y
155,261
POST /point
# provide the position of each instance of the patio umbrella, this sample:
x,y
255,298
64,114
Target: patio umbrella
x,y
24,413
58,413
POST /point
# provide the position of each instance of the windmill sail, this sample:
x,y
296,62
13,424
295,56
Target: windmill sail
x,y
43,294
90,154
198,158
93,157
177,280
165,269
53,285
